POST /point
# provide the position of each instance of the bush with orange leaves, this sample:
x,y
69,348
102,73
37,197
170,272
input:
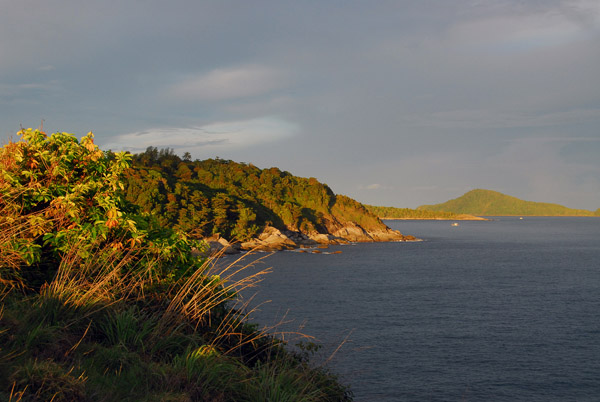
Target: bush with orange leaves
x,y
58,193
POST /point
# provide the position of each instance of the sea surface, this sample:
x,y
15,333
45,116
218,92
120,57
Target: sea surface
x,y
499,310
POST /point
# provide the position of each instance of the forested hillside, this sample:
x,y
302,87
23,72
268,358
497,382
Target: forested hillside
x,y
408,213
237,200
491,203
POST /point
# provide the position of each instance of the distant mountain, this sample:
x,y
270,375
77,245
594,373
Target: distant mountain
x,y
492,203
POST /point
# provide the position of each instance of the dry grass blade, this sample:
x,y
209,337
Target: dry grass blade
x,y
209,287
12,226
199,295
342,343
106,276
18,395
228,329
18,230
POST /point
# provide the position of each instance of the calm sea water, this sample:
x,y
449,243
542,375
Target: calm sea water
x,y
502,310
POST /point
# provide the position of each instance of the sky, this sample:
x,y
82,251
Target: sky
x,y
395,103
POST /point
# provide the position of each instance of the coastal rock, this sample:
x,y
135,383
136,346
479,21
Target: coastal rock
x,y
217,244
300,238
352,232
271,239
390,235
322,238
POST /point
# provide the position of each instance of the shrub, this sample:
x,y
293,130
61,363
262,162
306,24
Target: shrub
x,y
58,194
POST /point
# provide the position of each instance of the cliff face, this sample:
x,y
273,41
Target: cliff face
x,y
248,206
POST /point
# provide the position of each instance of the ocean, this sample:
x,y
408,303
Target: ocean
x,y
499,310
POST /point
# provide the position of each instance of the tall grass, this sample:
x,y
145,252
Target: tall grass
x,y
106,328
14,227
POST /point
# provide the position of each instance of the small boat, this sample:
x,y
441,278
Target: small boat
x,y
455,224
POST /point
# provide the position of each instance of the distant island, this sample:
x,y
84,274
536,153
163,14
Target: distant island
x,y
493,203
392,213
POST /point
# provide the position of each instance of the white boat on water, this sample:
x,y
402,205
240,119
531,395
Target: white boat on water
x,y
455,224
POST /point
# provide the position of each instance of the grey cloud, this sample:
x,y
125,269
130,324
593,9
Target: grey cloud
x,y
227,83
425,98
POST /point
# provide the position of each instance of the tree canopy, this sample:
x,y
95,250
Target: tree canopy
x,y
236,200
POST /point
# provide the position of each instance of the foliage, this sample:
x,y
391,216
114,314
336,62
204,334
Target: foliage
x,y
57,192
236,200
407,213
99,301
493,203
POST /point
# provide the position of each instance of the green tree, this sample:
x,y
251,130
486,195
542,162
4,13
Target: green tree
x,y
57,193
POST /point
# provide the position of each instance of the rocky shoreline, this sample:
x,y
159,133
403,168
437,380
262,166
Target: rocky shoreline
x,y
273,239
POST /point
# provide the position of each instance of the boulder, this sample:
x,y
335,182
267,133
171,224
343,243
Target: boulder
x,y
353,232
271,239
322,238
390,235
217,244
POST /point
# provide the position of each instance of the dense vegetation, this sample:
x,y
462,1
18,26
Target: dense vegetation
x,y
407,213
101,301
493,203
236,200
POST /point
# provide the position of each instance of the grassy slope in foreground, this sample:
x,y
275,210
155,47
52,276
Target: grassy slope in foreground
x,y
493,203
98,302
407,213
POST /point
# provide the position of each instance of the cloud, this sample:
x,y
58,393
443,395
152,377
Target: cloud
x,y
489,118
516,33
422,96
539,169
375,186
29,92
584,12
206,140
228,83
